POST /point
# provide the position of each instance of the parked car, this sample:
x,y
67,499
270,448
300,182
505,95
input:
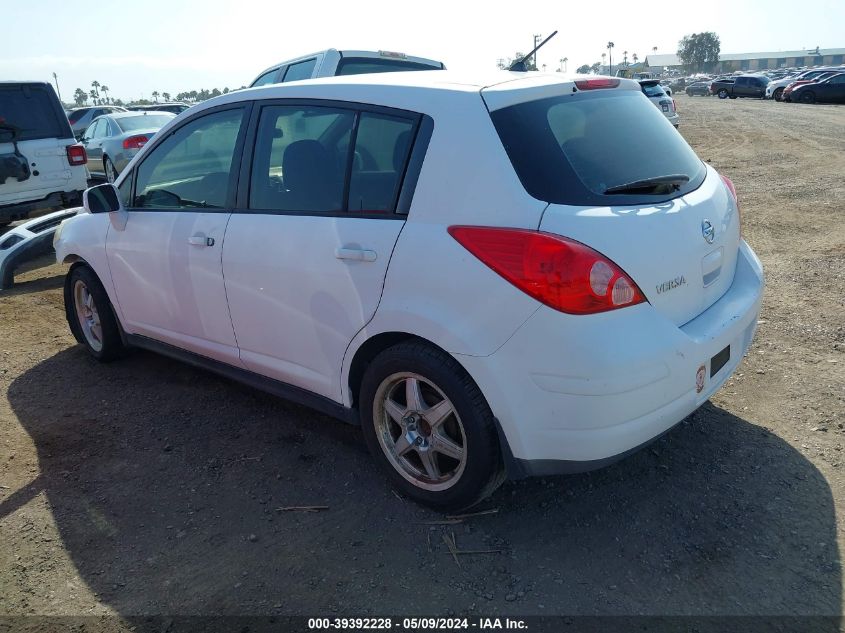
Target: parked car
x,y
657,95
742,86
81,118
787,92
700,88
175,107
411,252
332,62
830,90
113,140
775,89
42,168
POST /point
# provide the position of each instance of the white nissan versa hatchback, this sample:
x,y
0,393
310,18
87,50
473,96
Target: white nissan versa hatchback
x,y
493,277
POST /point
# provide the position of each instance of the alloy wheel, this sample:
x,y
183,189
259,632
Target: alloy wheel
x,y
420,431
87,315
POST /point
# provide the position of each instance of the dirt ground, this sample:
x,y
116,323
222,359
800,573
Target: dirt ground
x,y
147,487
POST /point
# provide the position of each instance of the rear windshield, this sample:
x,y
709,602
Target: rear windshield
x,y
573,148
74,116
653,90
32,110
142,122
364,65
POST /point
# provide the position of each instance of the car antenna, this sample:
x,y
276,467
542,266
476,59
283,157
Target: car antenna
x,y
519,65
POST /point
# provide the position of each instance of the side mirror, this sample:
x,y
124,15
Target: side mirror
x,y
102,199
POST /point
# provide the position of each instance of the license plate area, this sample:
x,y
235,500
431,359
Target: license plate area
x,y
719,360
665,108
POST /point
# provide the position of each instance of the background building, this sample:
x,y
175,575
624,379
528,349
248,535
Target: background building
x,y
729,62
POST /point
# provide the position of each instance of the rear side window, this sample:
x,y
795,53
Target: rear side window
x,y
300,159
266,78
595,148
299,71
77,114
382,146
364,65
31,111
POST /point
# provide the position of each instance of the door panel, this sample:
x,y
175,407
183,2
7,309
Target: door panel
x,y
166,261
296,298
169,288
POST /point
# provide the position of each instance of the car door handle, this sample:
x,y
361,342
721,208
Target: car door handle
x,y
200,240
355,254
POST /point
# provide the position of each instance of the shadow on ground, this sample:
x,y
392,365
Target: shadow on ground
x,y
166,483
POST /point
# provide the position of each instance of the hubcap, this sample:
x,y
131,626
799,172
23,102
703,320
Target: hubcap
x,y
87,315
420,431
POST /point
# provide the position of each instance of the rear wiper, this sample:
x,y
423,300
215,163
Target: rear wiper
x,y
673,180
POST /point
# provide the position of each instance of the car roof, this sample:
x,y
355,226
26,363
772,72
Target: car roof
x,y
353,53
412,89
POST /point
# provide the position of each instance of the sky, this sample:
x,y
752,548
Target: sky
x,y
138,47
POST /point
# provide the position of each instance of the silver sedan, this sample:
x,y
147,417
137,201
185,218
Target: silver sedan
x,y
113,140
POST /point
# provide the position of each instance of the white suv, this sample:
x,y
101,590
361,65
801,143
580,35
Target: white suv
x,y
493,276
42,168
332,62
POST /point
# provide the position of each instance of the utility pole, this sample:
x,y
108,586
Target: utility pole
x,y
56,79
536,39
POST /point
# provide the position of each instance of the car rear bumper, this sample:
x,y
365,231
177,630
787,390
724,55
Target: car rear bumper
x,y
573,393
52,202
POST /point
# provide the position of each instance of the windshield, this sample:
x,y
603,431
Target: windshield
x,y
653,90
143,122
575,148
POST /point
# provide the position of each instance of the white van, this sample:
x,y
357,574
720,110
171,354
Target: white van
x,y
333,62
42,167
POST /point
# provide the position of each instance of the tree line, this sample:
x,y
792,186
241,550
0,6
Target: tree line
x,y
99,95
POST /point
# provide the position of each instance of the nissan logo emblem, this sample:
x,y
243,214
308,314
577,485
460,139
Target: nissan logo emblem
x,y
708,231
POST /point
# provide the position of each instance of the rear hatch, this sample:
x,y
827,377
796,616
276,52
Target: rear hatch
x,y
620,179
34,135
657,95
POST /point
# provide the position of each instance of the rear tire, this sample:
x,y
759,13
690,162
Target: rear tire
x,y
90,315
429,427
111,172
723,94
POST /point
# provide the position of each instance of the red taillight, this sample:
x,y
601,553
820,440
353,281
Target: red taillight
x,y
562,273
76,155
135,142
730,185
596,84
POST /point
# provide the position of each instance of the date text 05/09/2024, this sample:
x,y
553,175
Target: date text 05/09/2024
x,y
416,624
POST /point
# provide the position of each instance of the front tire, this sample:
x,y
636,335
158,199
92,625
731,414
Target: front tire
x,y
808,97
723,94
429,427
90,316
778,94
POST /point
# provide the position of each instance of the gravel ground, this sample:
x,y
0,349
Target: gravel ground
x,y
146,487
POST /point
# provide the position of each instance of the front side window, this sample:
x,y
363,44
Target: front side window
x,y
190,169
300,70
300,159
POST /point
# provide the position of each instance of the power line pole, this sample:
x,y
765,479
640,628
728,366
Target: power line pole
x,y
536,39
56,79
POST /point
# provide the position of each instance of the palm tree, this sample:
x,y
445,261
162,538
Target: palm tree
x,y
95,85
635,58
94,95
563,64
165,96
654,50
105,89
610,46
603,59
80,96
625,58
155,96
